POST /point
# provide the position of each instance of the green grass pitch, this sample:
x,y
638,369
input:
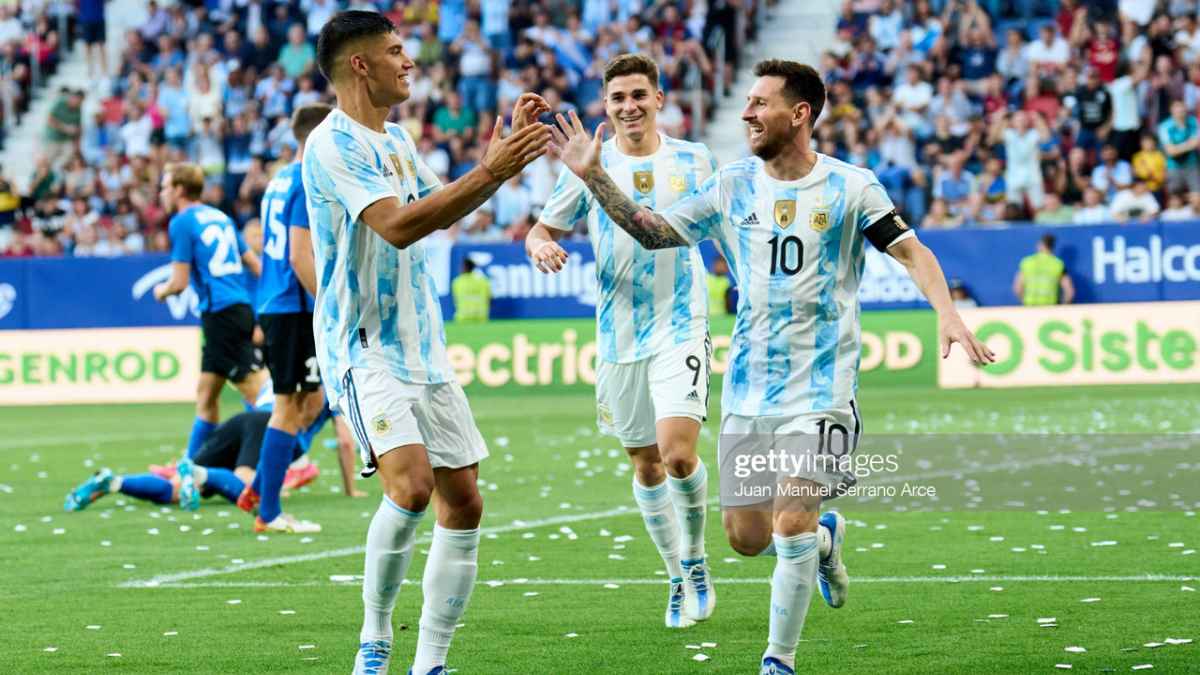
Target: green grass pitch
x,y
937,591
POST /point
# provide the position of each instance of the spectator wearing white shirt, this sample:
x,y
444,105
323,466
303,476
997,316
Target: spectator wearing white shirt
x,y
475,69
1177,210
1112,173
1126,116
136,132
914,97
1049,54
1023,169
1012,62
512,202
884,26
318,12
1093,212
1135,203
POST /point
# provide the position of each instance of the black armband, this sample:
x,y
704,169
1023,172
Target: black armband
x,y
886,230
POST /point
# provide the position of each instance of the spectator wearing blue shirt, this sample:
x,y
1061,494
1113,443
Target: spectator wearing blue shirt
x,y
953,183
1112,173
1179,136
94,32
978,57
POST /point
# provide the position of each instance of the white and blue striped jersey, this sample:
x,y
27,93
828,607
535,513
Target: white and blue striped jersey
x,y
648,301
795,249
376,305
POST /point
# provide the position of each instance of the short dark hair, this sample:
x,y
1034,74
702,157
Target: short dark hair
x,y
800,82
1048,241
631,64
306,118
343,29
468,265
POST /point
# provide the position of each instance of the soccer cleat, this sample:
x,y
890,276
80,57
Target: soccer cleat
x,y
189,494
701,596
164,471
248,500
295,479
286,523
831,571
773,666
676,616
89,491
373,657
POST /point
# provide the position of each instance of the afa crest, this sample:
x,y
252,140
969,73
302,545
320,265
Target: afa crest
x,y
785,212
380,423
818,220
678,183
643,181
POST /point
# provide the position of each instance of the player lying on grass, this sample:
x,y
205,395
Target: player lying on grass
x,y
224,465
793,225
651,327
379,337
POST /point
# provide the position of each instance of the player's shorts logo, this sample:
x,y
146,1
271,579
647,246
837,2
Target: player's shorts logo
x,y
678,184
818,220
785,212
605,413
643,181
381,424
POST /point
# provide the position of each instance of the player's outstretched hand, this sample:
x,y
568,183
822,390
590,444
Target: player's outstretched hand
x,y
160,292
527,109
574,147
507,155
549,257
953,330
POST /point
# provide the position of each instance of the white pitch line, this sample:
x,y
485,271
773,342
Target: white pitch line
x,y
514,526
1011,579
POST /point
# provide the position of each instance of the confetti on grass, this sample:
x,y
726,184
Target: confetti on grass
x,y
1075,650
700,657
235,601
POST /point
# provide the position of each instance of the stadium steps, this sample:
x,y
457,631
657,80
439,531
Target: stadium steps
x,y
794,29
24,142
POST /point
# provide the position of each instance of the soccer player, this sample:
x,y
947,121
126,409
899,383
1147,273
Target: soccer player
x,y
225,464
285,314
651,326
792,223
379,337
208,252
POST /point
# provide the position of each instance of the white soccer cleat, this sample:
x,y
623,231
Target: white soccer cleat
x,y
831,571
285,523
676,616
701,596
373,657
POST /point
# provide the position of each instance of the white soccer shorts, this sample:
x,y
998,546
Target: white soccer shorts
x,y
632,397
386,412
831,433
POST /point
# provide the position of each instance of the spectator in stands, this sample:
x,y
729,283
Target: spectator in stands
x,y
297,56
952,183
92,29
1054,212
1093,211
960,294
1150,164
1180,137
475,83
1049,54
1112,173
512,202
1135,203
1177,209
1042,278
1126,118
939,217
1023,173
1093,109
913,96
481,226
64,127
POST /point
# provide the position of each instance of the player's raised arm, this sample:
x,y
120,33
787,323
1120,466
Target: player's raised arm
x,y
581,154
405,224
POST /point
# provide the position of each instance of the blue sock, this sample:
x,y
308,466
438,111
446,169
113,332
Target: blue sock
x,y
273,462
200,432
225,483
147,486
256,484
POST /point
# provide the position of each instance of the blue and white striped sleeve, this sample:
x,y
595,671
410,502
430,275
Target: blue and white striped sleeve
x,y
697,216
358,180
569,202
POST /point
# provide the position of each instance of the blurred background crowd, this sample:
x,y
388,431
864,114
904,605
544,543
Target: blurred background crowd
x,y
971,112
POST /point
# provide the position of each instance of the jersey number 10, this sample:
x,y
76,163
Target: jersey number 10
x,y
787,255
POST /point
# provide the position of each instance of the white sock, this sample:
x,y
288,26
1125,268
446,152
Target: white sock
x,y
791,589
690,497
824,542
200,475
389,551
659,516
449,577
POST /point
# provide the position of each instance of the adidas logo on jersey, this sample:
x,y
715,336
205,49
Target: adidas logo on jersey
x,y
693,396
750,221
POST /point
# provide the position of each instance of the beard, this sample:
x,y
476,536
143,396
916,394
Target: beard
x,y
770,146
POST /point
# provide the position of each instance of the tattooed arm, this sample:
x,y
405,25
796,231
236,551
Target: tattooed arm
x,y
647,227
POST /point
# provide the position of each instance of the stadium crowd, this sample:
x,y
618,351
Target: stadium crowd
x,y
215,82
971,112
